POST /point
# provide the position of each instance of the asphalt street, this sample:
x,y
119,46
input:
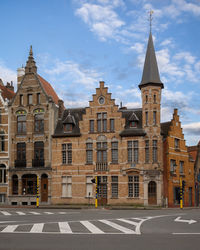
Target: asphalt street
x,y
24,229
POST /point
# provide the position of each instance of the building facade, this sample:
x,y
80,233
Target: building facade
x,y
6,94
178,165
32,117
121,147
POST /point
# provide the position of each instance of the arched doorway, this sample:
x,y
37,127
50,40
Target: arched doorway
x,y
152,193
44,188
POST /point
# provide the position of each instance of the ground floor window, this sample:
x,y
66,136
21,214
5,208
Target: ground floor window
x,y
66,186
2,198
133,186
2,173
29,184
114,186
89,186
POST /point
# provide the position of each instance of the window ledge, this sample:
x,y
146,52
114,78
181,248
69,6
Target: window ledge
x,y
114,198
63,197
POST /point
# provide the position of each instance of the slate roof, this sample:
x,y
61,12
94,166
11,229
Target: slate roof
x,y
165,128
132,115
70,116
150,71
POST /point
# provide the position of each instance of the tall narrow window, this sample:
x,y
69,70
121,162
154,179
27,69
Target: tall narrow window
x,y
146,98
30,99
177,142
133,186
154,117
172,166
102,122
147,151
133,151
91,126
155,153
154,98
14,184
21,124
181,166
38,98
114,152
89,153
21,151
38,154
39,123
66,186
146,118
0,116
67,153
114,186
101,151
20,100
2,141
2,173
112,125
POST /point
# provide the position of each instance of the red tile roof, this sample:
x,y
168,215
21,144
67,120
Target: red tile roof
x,y
6,93
49,89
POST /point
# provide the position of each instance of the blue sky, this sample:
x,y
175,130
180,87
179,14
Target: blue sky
x,y
77,43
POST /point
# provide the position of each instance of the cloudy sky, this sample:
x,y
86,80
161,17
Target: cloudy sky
x,y
77,43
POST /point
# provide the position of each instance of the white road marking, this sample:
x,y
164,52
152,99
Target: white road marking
x,y
9,229
35,213
5,213
62,212
37,228
118,227
178,219
20,213
91,227
48,213
64,227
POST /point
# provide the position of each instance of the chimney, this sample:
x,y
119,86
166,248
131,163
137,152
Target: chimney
x,y
10,86
20,74
60,108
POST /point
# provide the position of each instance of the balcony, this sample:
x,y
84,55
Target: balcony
x,y
38,163
101,166
20,163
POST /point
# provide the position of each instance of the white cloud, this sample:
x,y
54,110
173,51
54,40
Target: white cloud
x,y
133,105
138,47
186,56
187,7
7,74
192,128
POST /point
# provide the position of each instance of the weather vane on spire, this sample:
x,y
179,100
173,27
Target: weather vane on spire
x,y
150,18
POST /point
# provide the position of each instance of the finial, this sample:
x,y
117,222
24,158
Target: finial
x,y
150,18
31,51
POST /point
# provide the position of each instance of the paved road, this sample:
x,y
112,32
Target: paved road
x,y
99,229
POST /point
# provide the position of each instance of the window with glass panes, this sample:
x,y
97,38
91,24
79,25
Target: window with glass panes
x,y
154,117
102,122
39,123
181,165
2,173
89,153
67,153
114,151
114,186
147,151
91,126
112,125
66,186
30,99
21,151
39,150
2,141
133,152
101,151
155,151
21,124
133,186
146,118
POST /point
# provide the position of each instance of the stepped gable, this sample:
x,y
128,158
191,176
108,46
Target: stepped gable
x,y
70,116
165,128
48,89
132,115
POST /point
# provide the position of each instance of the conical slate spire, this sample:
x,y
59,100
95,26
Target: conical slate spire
x,y
150,74
30,64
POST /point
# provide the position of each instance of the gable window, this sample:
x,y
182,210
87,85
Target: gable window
x,y
2,173
155,151
154,117
172,166
30,99
21,124
39,123
89,153
67,127
114,151
91,126
112,125
133,124
133,151
102,122
20,99
67,153
114,186
38,98
2,141
147,151
133,186
177,143
146,118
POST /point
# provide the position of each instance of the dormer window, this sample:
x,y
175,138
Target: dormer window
x,y
67,127
69,123
133,124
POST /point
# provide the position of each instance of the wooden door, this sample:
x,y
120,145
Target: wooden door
x,y
44,188
152,193
102,195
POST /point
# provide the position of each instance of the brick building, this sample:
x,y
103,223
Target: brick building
x,y
6,94
32,118
122,147
178,165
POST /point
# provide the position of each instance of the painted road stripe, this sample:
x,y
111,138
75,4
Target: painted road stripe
x,y
20,213
62,212
37,228
91,227
118,227
48,213
35,213
64,227
5,213
129,222
9,229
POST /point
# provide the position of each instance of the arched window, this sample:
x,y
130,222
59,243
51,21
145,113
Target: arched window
x,y
14,184
2,141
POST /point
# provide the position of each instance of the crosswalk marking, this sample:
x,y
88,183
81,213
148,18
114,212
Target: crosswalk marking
x,y
5,213
118,227
64,227
9,229
48,213
35,213
20,213
62,212
91,227
129,222
37,228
